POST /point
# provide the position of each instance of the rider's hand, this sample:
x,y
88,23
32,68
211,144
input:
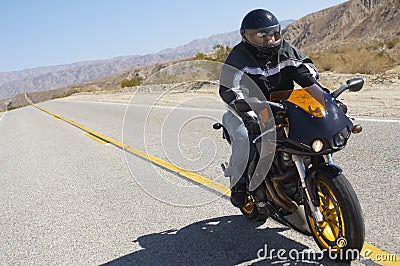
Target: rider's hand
x,y
253,128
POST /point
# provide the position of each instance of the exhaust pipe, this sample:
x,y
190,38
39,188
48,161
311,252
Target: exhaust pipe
x,y
276,192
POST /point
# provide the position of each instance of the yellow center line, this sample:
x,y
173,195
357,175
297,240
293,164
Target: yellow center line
x,y
190,175
377,255
96,138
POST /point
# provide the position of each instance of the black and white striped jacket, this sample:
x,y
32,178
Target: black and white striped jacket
x,y
245,74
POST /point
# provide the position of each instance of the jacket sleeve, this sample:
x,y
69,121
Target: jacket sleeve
x,y
304,76
306,73
230,76
231,83
230,92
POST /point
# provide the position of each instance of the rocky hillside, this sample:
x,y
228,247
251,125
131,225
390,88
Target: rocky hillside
x,y
46,78
358,36
352,21
361,35
109,82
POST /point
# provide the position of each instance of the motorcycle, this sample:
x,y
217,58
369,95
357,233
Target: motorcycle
x,y
302,187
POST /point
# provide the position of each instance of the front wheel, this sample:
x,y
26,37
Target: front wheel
x,y
341,233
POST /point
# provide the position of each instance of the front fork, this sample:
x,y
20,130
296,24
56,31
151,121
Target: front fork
x,y
299,162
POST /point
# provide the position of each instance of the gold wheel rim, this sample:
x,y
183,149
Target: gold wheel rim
x,y
331,231
249,207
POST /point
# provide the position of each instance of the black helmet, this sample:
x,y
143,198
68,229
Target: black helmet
x,y
261,29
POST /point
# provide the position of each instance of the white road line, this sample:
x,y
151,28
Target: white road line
x,y
153,106
27,99
83,101
377,120
2,115
383,120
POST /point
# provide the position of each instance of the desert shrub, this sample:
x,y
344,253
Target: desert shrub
x,y
13,107
65,94
368,58
392,42
219,55
130,82
221,52
202,56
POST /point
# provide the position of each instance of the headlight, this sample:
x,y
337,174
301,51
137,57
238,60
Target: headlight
x,y
339,139
317,145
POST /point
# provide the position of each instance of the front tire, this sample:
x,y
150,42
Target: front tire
x,y
342,232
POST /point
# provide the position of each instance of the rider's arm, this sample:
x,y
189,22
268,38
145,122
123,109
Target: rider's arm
x,y
303,76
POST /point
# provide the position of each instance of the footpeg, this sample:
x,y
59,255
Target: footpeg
x,y
262,207
217,126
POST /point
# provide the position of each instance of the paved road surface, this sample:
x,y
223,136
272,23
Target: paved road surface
x,y
67,199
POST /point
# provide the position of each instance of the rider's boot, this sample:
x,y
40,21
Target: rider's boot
x,y
239,194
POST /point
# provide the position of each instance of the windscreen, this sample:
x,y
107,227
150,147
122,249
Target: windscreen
x,y
310,99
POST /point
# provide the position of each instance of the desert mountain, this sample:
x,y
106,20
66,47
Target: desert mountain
x,y
51,77
349,23
352,21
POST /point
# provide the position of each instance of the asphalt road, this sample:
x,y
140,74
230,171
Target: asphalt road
x,y
68,199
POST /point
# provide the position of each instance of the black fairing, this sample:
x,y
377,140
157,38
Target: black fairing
x,y
305,128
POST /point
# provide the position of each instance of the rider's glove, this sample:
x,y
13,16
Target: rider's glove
x,y
253,128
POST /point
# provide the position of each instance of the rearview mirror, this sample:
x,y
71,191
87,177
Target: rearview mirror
x,y
355,84
352,85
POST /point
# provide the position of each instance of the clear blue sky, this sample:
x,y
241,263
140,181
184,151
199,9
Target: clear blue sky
x,y
53,32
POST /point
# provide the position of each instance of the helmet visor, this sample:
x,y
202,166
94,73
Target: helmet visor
x,y
265,37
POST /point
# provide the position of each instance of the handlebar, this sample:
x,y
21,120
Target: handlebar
x,y
252,103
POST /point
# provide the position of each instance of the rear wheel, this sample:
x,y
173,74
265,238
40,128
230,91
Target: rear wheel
x,y
341,233
251,212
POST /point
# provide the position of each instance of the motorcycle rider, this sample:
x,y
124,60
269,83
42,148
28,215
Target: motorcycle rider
x,y
273,64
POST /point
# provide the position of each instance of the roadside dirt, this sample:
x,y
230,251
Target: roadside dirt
x,y
379,98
